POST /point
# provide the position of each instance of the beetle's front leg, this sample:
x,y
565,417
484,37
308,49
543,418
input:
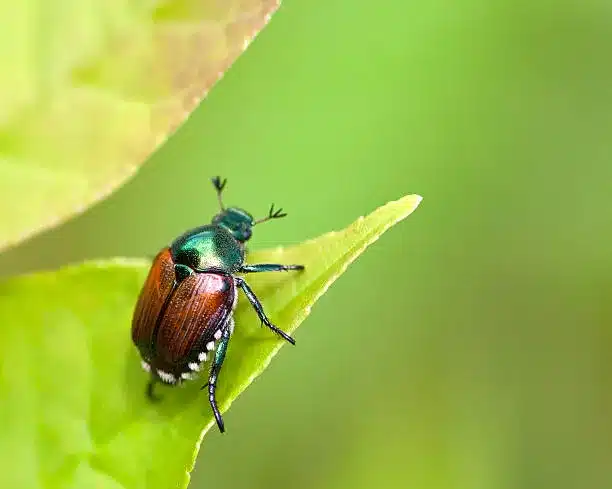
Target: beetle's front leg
x,y
214,374
259,309
269,267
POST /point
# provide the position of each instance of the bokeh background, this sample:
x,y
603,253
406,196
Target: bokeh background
x,y
471,347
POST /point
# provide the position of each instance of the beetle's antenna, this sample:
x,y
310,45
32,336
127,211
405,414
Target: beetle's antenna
x,y
219,186
271,215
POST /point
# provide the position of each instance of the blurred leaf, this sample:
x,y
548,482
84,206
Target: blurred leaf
x,y
71,382
89,88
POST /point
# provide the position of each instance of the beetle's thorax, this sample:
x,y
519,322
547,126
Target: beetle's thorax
x,y
208,248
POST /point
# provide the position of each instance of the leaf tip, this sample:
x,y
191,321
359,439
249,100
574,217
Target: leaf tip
x,y
411,200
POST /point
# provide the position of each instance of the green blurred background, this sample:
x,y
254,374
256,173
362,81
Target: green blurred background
x,y
470,348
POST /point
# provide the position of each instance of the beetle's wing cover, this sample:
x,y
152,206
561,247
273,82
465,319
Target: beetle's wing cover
x,y
199,306
156,289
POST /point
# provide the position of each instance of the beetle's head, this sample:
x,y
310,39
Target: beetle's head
x,y
237,221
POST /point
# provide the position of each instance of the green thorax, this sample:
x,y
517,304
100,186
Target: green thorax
x,y
210,247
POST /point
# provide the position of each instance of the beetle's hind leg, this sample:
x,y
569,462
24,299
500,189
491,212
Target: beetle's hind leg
x,y
150,391
260,312
214,374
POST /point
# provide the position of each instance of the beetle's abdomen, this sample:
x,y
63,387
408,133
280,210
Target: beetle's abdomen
x,y
198,308
155,291
176,322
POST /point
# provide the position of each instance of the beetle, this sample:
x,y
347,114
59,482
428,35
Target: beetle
x,y
187,301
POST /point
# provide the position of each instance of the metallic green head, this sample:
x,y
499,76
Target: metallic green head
x,y
237,221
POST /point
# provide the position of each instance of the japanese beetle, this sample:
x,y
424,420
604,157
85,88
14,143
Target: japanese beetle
x,y
189,296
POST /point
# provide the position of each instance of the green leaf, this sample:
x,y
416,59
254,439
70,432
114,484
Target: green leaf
x,y
89,88
71,382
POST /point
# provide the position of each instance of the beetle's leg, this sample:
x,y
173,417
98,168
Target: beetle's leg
x,y
214,375
260,312
269,267
151,390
